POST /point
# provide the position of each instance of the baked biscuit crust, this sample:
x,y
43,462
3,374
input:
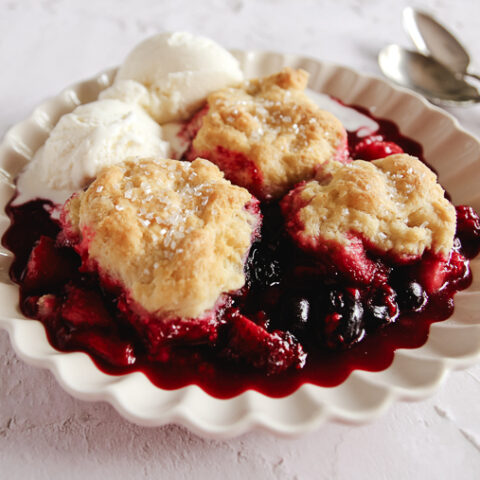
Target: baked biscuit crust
x,y
393,205
267,135
174,235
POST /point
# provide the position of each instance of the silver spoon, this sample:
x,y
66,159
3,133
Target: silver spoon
x,y
432,38
427,76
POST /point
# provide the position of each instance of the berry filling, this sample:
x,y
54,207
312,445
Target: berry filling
x,y
374,147
236,167
273,352
293,322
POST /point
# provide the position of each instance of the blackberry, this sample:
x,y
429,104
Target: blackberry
x,y
381,307
297,315
263,269
342,324
413,297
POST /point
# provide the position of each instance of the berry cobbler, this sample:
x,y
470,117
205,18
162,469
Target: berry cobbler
x,y
279,249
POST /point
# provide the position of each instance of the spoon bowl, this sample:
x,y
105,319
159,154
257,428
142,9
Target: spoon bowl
x,y
427,76
432,38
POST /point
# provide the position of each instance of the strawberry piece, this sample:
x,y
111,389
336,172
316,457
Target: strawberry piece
x,y
175,332
353,262
435,272
372,148
432,274
48,309
467,220
237,168
274,352
85,308
47,306
116,352
48,266
159,334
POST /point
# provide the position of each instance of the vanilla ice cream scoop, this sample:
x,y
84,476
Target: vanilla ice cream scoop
x,y
171,74
93,136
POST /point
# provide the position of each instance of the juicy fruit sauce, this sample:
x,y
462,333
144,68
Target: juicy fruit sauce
x,y
266,268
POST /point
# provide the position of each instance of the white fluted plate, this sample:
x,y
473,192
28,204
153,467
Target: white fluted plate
x,y
414,373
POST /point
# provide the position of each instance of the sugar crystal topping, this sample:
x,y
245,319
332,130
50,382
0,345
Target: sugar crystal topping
x,y
169,202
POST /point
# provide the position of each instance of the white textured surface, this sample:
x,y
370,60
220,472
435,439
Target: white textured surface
x,y
44,433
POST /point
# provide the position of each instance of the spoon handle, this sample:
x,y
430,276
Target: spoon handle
x,y
473,75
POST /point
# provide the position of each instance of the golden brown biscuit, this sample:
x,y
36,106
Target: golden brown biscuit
x,y
267,135
173,234
393,206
